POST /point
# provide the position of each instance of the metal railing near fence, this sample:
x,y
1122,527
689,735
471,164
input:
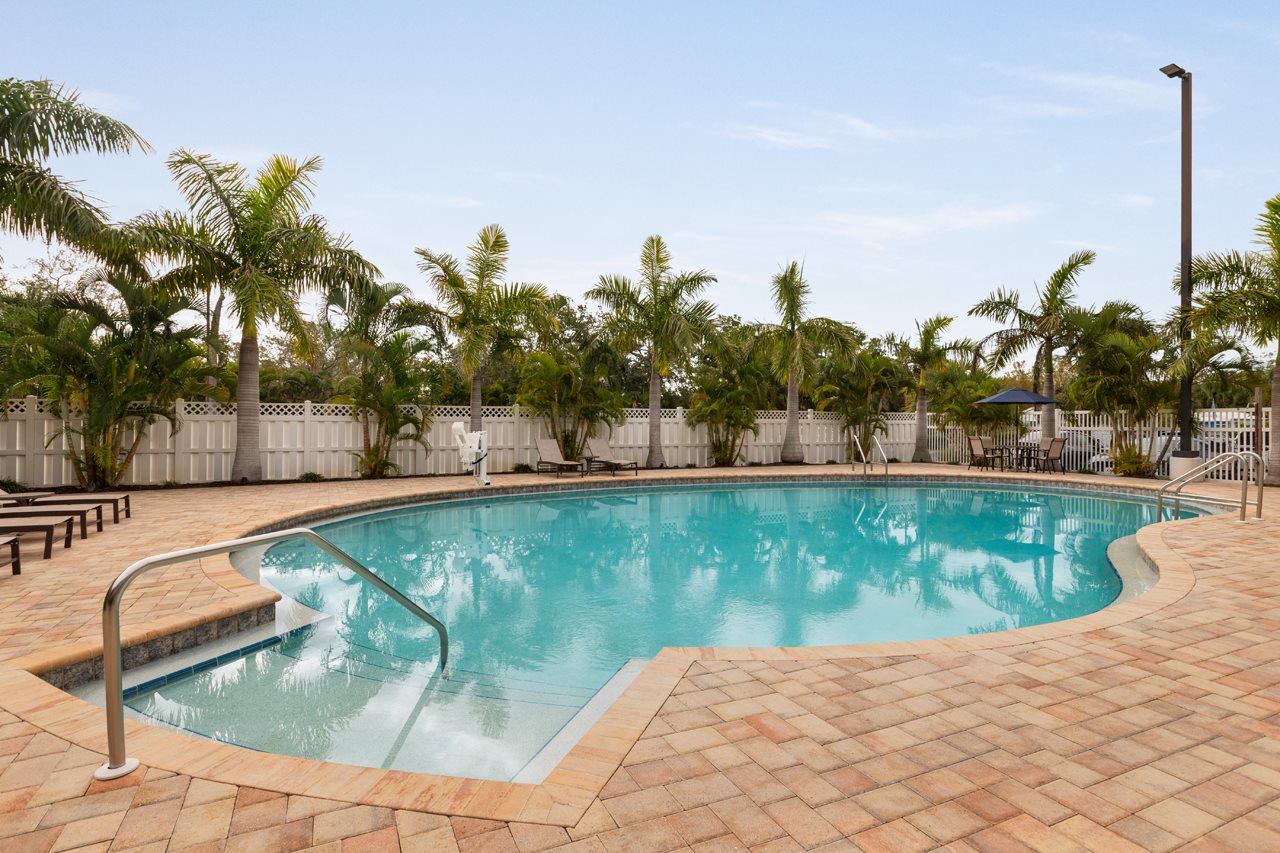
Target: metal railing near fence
x,y
323,438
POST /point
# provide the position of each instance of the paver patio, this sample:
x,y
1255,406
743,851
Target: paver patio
x,y
1151,725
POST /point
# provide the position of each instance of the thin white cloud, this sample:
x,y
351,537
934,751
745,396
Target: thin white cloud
x,y
801,127
1107,89
877,229
1130,201
776,137
111,103
1033,109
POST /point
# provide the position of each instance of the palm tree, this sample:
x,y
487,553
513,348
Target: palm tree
x,y
389,356
860,388
484,313
109,367
1241,291
659,315
927,354
1042,326
793,344
39,120
254,241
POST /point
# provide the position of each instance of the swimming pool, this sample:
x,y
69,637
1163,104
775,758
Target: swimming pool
x,y
548,595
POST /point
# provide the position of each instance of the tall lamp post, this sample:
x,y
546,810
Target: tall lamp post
x,y
1184,458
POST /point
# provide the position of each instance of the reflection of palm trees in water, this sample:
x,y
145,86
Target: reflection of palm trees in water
x,y
519,582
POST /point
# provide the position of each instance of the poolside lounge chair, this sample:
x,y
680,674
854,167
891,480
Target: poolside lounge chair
x,y
116,499
22,498
80,511
980,456
602,456
47,526
551,459
15,556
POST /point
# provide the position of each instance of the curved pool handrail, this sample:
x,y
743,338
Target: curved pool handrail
x,y
1254,464
118,764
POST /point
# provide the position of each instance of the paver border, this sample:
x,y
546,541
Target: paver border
x,y
576,781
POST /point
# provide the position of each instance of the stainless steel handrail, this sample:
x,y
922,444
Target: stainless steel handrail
x,y
883,455
118,764
1254,464
857,442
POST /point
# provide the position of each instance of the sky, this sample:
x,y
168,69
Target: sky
x,y
913,156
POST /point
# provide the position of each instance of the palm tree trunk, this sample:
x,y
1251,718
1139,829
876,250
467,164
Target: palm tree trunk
x,y
921,452
477,417
1273,458
247,465
1049,411
655,459
792,452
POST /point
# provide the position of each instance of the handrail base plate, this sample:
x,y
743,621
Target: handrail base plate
x,y
106,771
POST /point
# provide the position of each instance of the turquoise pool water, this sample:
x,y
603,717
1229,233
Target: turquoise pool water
x,y
547,595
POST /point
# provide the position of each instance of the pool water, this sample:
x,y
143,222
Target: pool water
x,y
546,596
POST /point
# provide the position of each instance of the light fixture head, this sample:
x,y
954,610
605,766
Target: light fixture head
x,y
1172,70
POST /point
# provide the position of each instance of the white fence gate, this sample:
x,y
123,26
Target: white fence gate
x,y
324,438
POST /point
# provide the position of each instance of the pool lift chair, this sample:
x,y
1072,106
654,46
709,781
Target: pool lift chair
x,y
473,451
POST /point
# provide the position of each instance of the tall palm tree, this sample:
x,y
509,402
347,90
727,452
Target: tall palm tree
x,y
1241,291
39,120
793,344
254,241
929,352
483,312
1042,326
658,315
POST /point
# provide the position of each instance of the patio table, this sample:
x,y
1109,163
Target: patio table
x,y
587,460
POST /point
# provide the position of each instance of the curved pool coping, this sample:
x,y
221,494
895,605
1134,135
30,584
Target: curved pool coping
x,y
563,797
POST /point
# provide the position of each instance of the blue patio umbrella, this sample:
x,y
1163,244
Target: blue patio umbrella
x,y
1018,397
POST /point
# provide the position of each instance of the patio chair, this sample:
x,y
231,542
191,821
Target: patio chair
x,y
981,457
1004,454
1050,455
15,555
551,459
602,456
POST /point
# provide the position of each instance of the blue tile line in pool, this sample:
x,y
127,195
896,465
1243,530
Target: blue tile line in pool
x,y
226,657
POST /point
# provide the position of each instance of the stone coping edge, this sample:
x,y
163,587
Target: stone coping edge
x,y
577,780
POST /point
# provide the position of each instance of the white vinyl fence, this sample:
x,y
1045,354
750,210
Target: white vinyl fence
x,y
323,438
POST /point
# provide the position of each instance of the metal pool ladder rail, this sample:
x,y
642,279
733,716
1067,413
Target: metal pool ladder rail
x,y
857,442
113,680
1253,465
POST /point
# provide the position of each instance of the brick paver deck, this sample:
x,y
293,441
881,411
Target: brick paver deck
x,y
1151,725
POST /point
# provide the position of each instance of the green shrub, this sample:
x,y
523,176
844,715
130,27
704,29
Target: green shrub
x,y
1129,461
691,464
12,486
171,484
832,462
522,468
311,477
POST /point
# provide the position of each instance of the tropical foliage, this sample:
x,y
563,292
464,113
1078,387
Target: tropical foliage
x,y
659,316
252,244
109,359
248,295
39,120
794,343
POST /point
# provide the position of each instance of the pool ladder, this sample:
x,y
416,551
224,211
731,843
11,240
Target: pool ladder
x,y
876,445
1253,465
118,764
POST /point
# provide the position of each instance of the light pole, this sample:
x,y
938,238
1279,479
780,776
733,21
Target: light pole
x,y
1184,458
